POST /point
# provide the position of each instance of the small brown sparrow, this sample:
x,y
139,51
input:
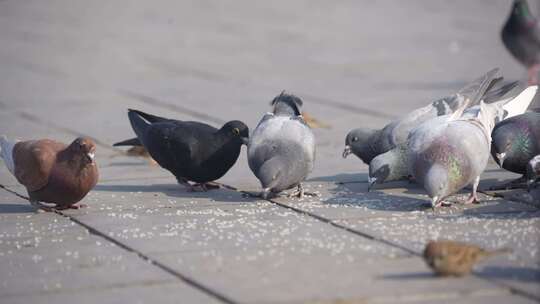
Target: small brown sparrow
x,y
451,258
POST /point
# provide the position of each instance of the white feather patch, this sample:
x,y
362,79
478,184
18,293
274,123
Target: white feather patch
x,y
6,152
520,103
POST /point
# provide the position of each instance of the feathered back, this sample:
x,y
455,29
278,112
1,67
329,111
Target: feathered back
x,y
473,93
287,104
488,115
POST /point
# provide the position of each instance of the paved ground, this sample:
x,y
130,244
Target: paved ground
x,y
73,67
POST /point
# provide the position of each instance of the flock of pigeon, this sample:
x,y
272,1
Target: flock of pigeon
x,y
443,146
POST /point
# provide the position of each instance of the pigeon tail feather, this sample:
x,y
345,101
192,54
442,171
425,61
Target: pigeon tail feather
x,y
473,93
6,152
493,95
148,117
519,104
139,125
129,142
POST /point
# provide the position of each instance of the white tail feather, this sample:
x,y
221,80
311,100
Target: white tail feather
x,y
6,152
520,103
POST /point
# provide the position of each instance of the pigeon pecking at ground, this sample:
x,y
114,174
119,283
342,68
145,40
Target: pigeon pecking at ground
x,y
367,144
51,171
521,36
191,151
281,150
451,258
515,141
449,152
445,155
393,164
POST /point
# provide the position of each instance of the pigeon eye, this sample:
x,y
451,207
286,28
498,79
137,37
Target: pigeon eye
x,y
355,139
236,131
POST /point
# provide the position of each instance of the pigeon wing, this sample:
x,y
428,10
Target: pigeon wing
x,y
34,161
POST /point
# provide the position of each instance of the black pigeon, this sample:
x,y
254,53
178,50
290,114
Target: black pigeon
x,y
515,141
190,150
521,36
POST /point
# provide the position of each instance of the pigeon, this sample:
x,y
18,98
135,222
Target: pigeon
x,y
451,258
515,141
533,171
521,36
367,143
191,151
445,155
52,172
393,164
281,150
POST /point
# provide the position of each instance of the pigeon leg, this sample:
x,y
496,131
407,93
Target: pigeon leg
x,y
199,187
40,206
519,183
533,74
212,185
473,199
184,182
78,206
300,193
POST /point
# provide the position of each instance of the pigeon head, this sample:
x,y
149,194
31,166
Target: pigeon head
x,y
287,104
84,147
236,130
436,183
522,12
270,173
358,143
389,166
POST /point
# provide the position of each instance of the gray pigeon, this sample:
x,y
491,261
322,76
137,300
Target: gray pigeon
x,y
533,171
281,150
515,142
446,154
392,165
367,143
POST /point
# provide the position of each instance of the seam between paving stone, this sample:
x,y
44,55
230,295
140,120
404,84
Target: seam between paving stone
x,y
188,280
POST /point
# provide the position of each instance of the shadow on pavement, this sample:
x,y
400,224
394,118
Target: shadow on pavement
x,y
409,276
16,208
355,194
514,273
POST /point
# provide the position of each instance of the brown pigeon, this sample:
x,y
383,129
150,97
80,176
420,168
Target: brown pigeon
x,y
451,258
51,171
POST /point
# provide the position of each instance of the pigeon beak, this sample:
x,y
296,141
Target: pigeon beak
x,y
347,151
500,158
245,140
90,156
371,182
